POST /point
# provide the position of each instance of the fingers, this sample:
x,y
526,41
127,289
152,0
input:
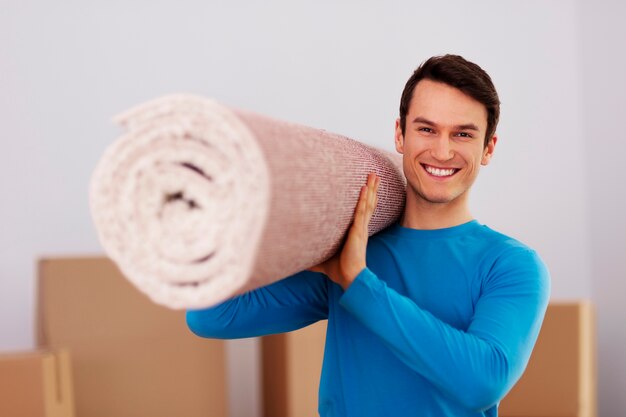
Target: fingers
x,y
373,182
368,199
360,215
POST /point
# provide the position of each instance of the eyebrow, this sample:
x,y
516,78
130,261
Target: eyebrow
x,y
465,126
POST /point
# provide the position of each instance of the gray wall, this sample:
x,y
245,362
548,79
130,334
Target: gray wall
x,y
67,67
604,109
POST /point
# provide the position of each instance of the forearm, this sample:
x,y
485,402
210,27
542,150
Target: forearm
x,y
476,368
283,306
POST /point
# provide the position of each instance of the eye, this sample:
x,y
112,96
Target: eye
x,y
425,129
464,135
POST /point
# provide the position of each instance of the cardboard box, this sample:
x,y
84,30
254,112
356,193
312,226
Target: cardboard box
x,y
36,384
292,364
131,357
560,380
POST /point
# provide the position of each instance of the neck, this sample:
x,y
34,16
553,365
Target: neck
x,y
425,215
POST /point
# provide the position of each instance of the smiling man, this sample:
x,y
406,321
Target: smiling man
x,y
436,315
442,137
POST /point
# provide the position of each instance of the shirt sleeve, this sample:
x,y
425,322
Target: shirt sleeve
x,y
476,366
283,306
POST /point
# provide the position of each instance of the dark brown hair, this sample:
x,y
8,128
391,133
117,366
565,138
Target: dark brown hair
x,y
459,73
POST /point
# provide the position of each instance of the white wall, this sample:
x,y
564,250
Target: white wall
x,y
67,67
603,35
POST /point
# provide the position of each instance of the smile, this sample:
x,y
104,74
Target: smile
x,y
440,172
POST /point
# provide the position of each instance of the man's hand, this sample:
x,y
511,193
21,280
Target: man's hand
x,y
346,265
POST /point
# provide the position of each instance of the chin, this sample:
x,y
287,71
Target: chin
x,y
434,199
438,198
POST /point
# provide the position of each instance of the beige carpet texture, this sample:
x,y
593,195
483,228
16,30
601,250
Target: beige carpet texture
x,y
198,202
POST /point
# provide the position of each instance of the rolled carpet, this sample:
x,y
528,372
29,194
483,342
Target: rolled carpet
x,y
198,202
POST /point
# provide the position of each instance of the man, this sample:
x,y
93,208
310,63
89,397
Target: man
x,y
436,315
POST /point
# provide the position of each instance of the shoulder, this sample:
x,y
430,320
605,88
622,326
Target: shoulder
x,y
510,260
500,244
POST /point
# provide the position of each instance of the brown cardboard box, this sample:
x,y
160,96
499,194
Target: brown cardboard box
x,y
560,380
292,363
131,357
36,384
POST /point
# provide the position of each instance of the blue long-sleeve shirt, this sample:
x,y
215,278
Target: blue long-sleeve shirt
x,y
440,323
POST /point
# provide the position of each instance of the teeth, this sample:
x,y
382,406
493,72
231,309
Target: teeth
x,y
439,172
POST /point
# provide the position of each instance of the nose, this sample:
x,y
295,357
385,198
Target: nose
x,y
441,150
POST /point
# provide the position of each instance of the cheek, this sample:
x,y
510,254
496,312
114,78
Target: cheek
x,y
409,163
475,157
414,147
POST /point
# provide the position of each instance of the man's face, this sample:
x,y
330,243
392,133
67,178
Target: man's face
x,y
443,143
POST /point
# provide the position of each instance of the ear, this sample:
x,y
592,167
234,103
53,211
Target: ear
x,y
399,137
488,151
